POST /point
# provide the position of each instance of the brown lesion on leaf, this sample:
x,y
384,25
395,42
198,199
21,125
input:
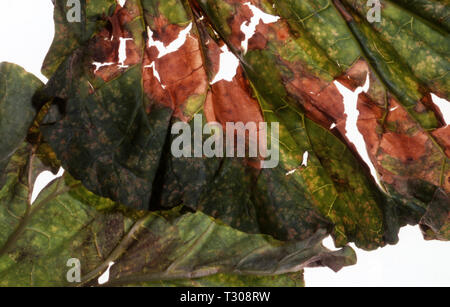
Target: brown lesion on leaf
x,y
242,14
320,99
182,73
259,40
229,101
390,133
104,47
232,102
164,31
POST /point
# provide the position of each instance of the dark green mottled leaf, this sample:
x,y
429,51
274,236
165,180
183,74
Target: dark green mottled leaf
x,y
161,248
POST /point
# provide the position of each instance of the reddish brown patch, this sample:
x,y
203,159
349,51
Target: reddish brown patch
x,y
282,33
134,53
232,101
321,100
108,72
397,136
243,14
356,76
403,147
164,31
259,41
152,87
442,136
183,74
213,53
104,47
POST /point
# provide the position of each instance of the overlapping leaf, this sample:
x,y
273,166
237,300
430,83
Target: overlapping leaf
x,y
110,136
163,248
123,76
17,88
174,247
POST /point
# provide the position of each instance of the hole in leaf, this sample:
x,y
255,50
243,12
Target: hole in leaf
x,y
229,64
123,51
444,107
43,180
305,159
352,132
173,46
249,27
105,276
328,242
155,73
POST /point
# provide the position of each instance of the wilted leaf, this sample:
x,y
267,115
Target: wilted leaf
x,y
114,131
297,57
124,76
161,248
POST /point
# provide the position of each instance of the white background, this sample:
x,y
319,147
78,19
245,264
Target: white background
x,y
26,32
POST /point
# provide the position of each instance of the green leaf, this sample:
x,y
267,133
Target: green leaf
x,y
434,11
17,88
162,248
111,129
